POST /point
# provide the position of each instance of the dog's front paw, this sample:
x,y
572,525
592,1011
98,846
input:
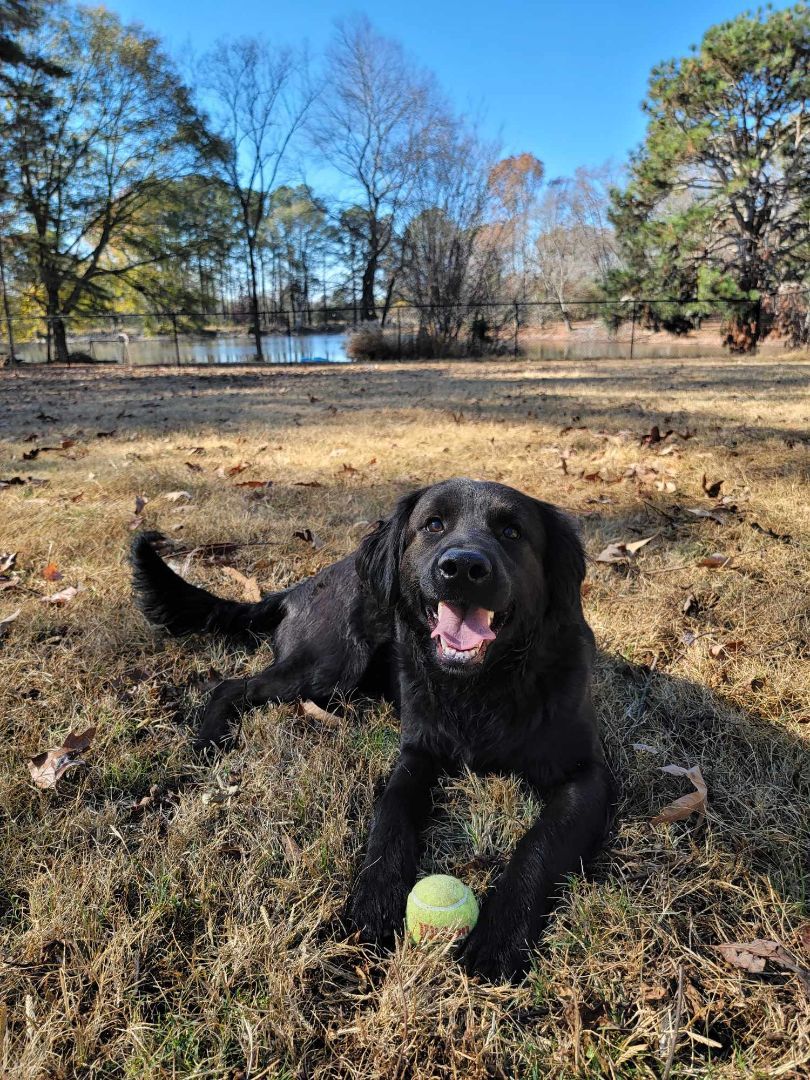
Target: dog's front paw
x,y
221,715
497,948
377,907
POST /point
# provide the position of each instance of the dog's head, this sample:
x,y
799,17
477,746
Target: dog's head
x,y
477,567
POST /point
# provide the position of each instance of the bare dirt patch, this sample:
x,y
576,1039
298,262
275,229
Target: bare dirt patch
x,y
165,917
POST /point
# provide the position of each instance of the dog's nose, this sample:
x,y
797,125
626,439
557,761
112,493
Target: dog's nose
x,y
462,564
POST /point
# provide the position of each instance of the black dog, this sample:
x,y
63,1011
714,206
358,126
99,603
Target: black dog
x,y
465,606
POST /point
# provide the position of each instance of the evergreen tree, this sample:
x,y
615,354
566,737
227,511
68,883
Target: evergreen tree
x,y
719,193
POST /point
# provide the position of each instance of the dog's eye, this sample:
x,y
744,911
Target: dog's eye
x,y
434,525
511,532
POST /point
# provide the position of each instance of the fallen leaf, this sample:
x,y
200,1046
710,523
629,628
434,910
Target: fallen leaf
x,y
175,496
621,551
254,483
804,937
713,489
194,466
62,597
786,538
726,648
140,503
668,486
308,483
309,708
292,848
6,622
50,766
720,514
233,470
691,605
646,748
309,537
752,956
717,561
51,572
250,586
654,436
694,802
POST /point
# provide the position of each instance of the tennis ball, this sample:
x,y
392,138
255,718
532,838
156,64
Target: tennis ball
x,y
440,906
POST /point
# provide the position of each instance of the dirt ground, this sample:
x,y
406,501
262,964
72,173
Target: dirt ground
x,y
162,916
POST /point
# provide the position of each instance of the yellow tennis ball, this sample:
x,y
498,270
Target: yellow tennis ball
x,y
440,906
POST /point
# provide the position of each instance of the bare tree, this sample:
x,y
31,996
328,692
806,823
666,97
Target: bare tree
x,y
259,98
374,125
515,183
574,242
451,253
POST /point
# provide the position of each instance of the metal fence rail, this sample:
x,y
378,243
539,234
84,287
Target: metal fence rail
x,y
654,327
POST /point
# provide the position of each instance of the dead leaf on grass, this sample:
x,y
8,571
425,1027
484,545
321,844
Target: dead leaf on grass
x,y
250,587
232,470
64,596
621,551
717,561
713,489
175,496
691,605
194,466
309,537
8,560
654,436
694,802
786,538
720,514
308,483
51,572
752,956
254,483
646,748
6,622
50,766
726,648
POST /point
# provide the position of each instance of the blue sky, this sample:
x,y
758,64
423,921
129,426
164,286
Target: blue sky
x,y
561,80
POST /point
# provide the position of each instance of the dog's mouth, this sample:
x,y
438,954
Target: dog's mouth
x,y
463,634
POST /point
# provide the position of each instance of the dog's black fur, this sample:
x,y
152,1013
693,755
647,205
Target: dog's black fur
x,y
522,705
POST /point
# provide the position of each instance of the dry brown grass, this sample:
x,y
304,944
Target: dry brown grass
x,y
198,936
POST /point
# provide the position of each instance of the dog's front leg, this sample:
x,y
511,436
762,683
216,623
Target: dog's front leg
x,y
566,835
377,906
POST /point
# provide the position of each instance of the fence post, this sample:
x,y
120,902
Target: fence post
x,y
176,342
517,327
633,332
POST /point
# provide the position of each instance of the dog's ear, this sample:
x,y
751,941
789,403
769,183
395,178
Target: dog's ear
x,y
563,563
380,553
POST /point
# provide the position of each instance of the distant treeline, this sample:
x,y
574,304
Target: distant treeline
x,y
128,186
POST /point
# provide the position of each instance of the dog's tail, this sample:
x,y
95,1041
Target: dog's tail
x,y
168,601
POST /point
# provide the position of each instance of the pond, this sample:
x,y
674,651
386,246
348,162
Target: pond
x,y
278,349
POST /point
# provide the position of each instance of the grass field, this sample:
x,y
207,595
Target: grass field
x,y
166,917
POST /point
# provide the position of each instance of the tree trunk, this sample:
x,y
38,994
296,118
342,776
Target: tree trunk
x,y
368,309
56,326
12,358
254,301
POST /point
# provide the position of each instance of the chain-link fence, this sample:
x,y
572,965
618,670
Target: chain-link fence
x,y
581,329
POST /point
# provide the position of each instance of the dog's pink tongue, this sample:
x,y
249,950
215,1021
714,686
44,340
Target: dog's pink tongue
x,y
462,629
